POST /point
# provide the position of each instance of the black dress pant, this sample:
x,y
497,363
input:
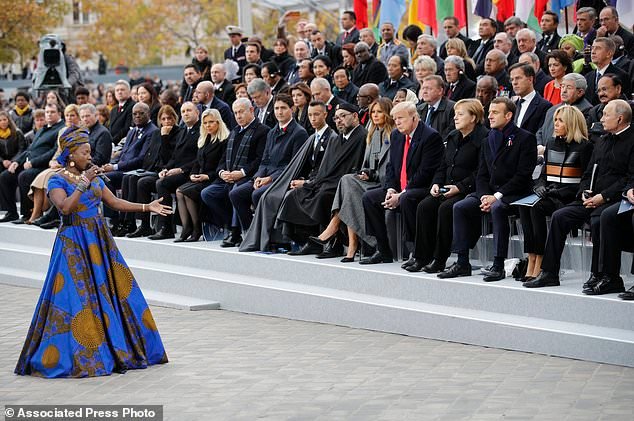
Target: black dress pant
x,y
408,204
139,190
165,187
467,225
617,234
9,182
565,219
434,228
534,224
116,180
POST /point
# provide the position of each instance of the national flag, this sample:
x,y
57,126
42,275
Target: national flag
x,y
412,14
540,7
427,15
558,5
525,11
392,11
483,8
506,9
361,10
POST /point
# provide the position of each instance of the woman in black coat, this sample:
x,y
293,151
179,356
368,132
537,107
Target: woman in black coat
x,y
12,140
301,94
211,146
453,181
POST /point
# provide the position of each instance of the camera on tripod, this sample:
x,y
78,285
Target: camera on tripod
x,y
51,68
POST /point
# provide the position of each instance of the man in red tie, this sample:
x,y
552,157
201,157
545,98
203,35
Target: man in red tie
x,y
121,116
415,154
350,33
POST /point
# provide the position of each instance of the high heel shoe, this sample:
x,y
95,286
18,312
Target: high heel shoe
x,y
351,259
319,241
194,237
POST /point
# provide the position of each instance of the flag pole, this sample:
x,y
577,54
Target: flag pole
x,y
466,17
566,12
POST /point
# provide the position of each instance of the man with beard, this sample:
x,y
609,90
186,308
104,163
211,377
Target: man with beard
x,y
306,208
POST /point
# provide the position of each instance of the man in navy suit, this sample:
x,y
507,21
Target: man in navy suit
x,y
206,99
602,54
507,161
415,154
531,106
350,33
282,143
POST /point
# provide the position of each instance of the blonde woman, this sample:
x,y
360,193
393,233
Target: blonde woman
x,y
457,47
211,146
39,184
566,156
347,206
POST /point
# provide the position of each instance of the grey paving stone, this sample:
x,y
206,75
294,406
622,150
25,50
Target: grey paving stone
x,y
234,366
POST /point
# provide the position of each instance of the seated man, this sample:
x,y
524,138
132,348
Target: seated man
x,y
437,111
617,234
100,138
238,164
28,164
206,99
282,143
223,89
130,157
306,208
507,161
415,154
262,97
610,167
302,169
396,68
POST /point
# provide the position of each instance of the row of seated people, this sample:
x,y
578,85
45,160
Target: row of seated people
x,y
240,181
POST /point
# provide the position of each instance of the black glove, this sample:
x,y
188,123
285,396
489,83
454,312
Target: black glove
x,y
540,191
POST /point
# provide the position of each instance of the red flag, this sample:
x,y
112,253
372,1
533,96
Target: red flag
x,y
361,10
427,15
540,6
460,11
506,9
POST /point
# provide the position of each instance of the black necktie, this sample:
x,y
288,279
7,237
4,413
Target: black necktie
x,y
519,108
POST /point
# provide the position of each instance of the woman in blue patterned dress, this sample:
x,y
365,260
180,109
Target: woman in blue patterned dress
x,y
91,318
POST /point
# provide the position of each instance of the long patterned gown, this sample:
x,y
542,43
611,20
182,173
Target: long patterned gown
x,y
91,318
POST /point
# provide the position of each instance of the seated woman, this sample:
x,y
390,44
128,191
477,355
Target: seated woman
x,y
158,154
12,140
453,181
423,66
211,146
456,47
347,207
559,65
322,67
301,94
566,157
38,186
147,95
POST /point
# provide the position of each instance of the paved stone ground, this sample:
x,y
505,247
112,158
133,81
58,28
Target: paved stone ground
x,y
233,366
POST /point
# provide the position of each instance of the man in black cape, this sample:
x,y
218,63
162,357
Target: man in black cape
x,y
263,234
307,208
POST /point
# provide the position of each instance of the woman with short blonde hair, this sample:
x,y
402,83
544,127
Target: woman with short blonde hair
x,y
566,156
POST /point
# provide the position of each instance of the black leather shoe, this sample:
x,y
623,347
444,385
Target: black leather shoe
x,y
525,279
495,274
124,229
48,216
592,280
9,217
627,295
163,234
606,285
20,221
434,267
333,249
417,266
308,248
140,232
194,237
347,259
377,257
455,271
545,279
50,225
408,262
319,241
231,241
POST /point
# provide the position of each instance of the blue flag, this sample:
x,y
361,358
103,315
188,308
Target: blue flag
x,y
392,11
483,8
